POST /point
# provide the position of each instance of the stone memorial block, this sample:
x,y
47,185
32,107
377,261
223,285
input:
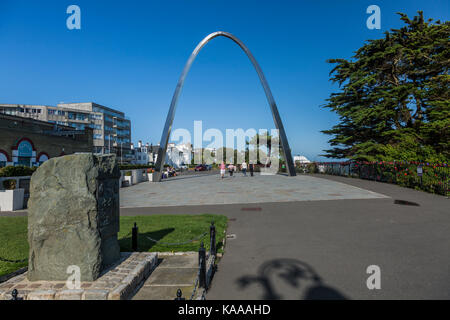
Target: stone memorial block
x,y
73,217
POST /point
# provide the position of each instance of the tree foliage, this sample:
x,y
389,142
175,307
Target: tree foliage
x,y
394,98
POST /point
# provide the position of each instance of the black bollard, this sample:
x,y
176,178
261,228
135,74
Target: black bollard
x,y
134,238
212,236
179,295
202,266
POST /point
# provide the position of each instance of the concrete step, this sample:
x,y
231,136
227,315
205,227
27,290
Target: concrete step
x,y
173,272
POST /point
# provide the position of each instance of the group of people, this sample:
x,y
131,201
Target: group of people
x,y
170,172
232,168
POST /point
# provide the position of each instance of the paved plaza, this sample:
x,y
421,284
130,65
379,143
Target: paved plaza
x,y
209,189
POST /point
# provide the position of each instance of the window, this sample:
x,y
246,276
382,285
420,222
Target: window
x,y
24,152
78,126
3,160
96,116
42,158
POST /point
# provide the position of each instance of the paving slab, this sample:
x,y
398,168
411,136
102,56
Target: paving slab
x,y
173,272
182,261
172,277
163,293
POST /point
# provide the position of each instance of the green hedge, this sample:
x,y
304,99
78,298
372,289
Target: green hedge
x,y
18,171
135,166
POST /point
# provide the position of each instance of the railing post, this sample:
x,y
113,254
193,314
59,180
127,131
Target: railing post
x,y
134,237
212,236
202,266
15,294
179,295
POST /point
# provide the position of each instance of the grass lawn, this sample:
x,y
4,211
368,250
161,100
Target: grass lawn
x,y
164,228
13,243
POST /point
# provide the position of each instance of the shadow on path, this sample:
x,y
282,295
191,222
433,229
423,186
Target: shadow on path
x,y
294,273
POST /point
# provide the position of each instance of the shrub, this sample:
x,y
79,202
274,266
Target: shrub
x,y
135,166
128,173
9,184
18,171
312,168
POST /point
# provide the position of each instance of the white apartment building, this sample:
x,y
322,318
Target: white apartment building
x,y
141,153
301,159
176,155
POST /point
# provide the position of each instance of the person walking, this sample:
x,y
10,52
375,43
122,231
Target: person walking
x,y
222,169
231,169
251,169
244,168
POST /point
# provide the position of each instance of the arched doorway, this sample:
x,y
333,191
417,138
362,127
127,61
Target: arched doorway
x,y
24,153
273,107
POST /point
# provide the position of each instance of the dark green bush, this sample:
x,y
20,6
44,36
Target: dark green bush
x,y
9,184
312,168
18,171
135,166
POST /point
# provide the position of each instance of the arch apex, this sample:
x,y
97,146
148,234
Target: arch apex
x,y
273,107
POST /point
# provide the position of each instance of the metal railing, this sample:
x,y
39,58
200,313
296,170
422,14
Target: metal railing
x,y
429,177
201,280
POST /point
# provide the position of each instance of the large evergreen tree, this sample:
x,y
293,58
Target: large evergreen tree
x,y
394,98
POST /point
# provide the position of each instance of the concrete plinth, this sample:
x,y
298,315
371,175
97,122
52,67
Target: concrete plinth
x,y
119,282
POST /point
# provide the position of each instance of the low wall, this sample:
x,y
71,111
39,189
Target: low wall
x,y
21,183
138,176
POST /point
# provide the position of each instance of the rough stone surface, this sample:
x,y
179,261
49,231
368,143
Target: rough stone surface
x,y
73,217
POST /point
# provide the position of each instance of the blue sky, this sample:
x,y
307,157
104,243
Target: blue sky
x,y
128,55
